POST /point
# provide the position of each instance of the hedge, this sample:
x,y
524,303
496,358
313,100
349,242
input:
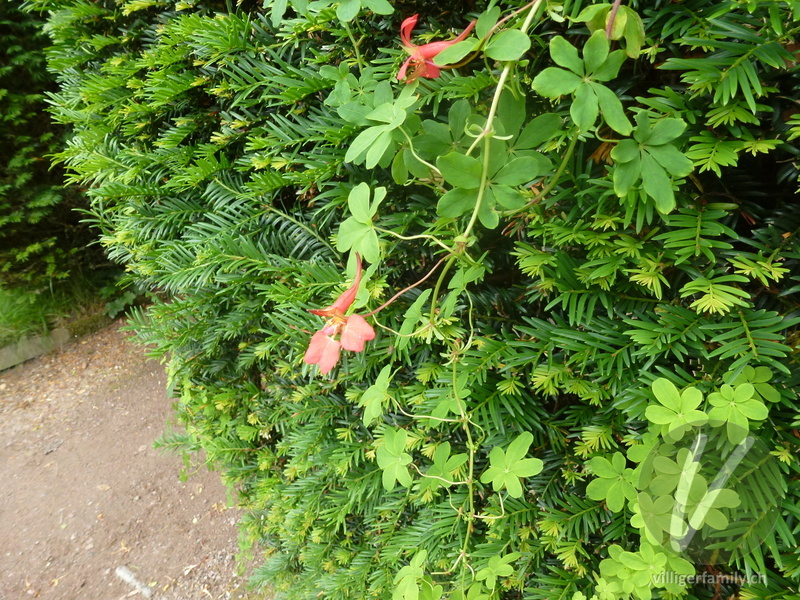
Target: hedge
x,y
42,239
520,323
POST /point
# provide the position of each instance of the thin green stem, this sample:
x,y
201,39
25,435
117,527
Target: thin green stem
x,y
360,59
482,189
511,16
488,130
471,476
411,238
451,259
553,181
426,476
414,152
501,82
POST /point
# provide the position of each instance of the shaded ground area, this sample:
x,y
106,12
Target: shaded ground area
x,y
83,494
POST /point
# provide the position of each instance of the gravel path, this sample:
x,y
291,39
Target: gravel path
x,y
88,509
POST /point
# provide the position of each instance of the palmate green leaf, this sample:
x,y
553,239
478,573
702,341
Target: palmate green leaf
x,y
456,52
392,459
378,149
610,68
565,55
428,590
507,197
411,319
378,135
355,113
510,44
518,171
487,213
388,112
595,51
358,201
657,184
381,7
651,158
611,107
460,170
553,82
375,395
407,579
440,472
507,467
626,175
672,159
613,484
359,237
457,202
585,107
653,515
278,10
634,32
664,132
759,377
498,567
626,151
539,130
667,476
347,10
678,411
705,509
736,406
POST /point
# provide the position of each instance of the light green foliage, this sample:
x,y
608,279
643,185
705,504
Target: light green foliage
x,y
375,396
357,232
625,24
393,460
614,481
508,466
510,44
407,579
736,406
556,294
694,481
498,567
375,144
582,79
652,158
443,468
677,413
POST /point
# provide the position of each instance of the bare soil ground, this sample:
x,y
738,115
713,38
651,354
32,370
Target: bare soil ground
x,y
84,495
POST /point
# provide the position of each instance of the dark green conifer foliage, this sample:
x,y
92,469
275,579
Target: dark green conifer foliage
x,y
41,237
657,239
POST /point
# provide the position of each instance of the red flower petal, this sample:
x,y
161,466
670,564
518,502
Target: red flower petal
x,y
422,56
429,70
343,302
406,27
401,74
322,350
355,332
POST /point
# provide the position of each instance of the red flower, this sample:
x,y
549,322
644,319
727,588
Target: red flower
x,y
422,56
353,331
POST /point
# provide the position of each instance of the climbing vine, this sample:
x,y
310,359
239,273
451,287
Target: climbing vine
x,y
465,301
